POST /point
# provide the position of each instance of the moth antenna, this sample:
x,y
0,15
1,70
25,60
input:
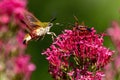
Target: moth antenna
x,y
75,17
53,19
77,21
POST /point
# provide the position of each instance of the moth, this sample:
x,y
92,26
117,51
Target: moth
x,y
36,28
82,28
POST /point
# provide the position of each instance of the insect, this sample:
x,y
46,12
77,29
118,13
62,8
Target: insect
x,y
36,28
81,27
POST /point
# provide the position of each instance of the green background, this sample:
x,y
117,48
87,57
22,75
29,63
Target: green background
x,y
95,13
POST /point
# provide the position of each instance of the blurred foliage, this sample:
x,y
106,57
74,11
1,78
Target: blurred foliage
x,y
94,13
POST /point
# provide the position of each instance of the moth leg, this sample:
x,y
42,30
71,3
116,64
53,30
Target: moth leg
x,y
42,37
53,34
36,39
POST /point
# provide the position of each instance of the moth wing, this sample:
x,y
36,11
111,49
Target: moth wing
x,y
31,21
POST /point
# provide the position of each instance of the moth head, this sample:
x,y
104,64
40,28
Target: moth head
x,y
50,24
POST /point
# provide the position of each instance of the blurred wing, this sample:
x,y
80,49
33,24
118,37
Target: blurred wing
x,y
31,21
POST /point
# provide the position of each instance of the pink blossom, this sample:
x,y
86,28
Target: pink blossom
x,y
31,67
78,54
109,72
12,8
112,69
114,33
4,19
10,13
117,62
13,61
23,65
11,5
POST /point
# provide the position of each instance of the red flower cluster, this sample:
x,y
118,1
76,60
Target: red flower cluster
x,y
12,7
78,54
24,66
114,33
14,63
113,69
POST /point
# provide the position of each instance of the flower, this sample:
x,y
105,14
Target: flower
x,y
23,65
114,33
11,6
14,63
12,10
4,19
78,54
112,70
109,72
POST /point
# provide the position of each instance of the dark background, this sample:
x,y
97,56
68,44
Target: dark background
x,y
94,13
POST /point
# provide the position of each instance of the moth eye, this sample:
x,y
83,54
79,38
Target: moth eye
x,y
50,25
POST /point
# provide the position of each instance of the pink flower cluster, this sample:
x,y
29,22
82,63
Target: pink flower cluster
x,y
78,54
114,33
12,8
14,63
23,65
112,70
10,35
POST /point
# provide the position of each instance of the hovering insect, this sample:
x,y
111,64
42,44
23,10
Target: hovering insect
x,y
81,27
36,28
